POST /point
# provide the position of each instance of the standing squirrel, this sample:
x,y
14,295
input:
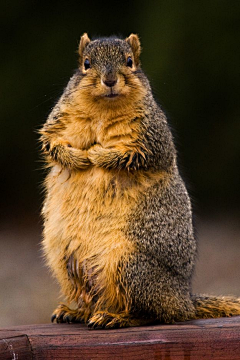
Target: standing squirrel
x,y
118,231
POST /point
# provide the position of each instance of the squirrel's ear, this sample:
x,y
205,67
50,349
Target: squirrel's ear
x,y
133,41
83,43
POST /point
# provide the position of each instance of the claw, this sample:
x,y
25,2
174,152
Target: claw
x,y
94,325
53,317
91,325
67,319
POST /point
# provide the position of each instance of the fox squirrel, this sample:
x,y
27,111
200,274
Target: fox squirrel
x,y
118,231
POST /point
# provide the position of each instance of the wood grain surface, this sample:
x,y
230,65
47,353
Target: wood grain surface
x,y
200,339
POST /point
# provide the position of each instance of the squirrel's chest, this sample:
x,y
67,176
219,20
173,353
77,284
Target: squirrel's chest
x,y
80,133
85,132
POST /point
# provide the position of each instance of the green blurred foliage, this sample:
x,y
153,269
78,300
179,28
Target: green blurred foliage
x,y
190,53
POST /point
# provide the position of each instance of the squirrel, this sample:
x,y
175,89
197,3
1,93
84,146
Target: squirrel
x,y
118,232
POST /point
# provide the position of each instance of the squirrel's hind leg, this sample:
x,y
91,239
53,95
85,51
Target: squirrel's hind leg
x,y
63,314
107,320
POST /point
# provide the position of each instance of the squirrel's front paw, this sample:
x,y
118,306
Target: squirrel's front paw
x,y
95,153
79,158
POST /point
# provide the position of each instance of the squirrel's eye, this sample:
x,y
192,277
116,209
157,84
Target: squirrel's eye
x,y
86,64
129,61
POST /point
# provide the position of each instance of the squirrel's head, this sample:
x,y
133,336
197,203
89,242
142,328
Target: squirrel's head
x,y
110,69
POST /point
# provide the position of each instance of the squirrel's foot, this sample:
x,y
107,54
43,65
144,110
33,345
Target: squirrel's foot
x,y
106,320
63,314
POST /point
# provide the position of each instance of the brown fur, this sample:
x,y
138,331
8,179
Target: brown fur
x,y
112,176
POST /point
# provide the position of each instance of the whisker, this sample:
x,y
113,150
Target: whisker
x,y
131,86
86,86
72,91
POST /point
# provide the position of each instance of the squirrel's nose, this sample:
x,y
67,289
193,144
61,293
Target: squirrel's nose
x,y
110,83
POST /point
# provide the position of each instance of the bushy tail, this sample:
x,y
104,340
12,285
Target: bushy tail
x,y
215,306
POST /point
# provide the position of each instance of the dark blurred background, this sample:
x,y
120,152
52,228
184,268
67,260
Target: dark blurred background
x,y
192,58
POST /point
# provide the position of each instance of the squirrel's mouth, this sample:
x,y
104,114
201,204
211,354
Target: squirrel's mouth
x,y
112,95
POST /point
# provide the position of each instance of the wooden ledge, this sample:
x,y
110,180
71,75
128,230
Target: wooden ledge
x,y
195,340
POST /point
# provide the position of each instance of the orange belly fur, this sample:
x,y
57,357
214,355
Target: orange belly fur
x,y
86,214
